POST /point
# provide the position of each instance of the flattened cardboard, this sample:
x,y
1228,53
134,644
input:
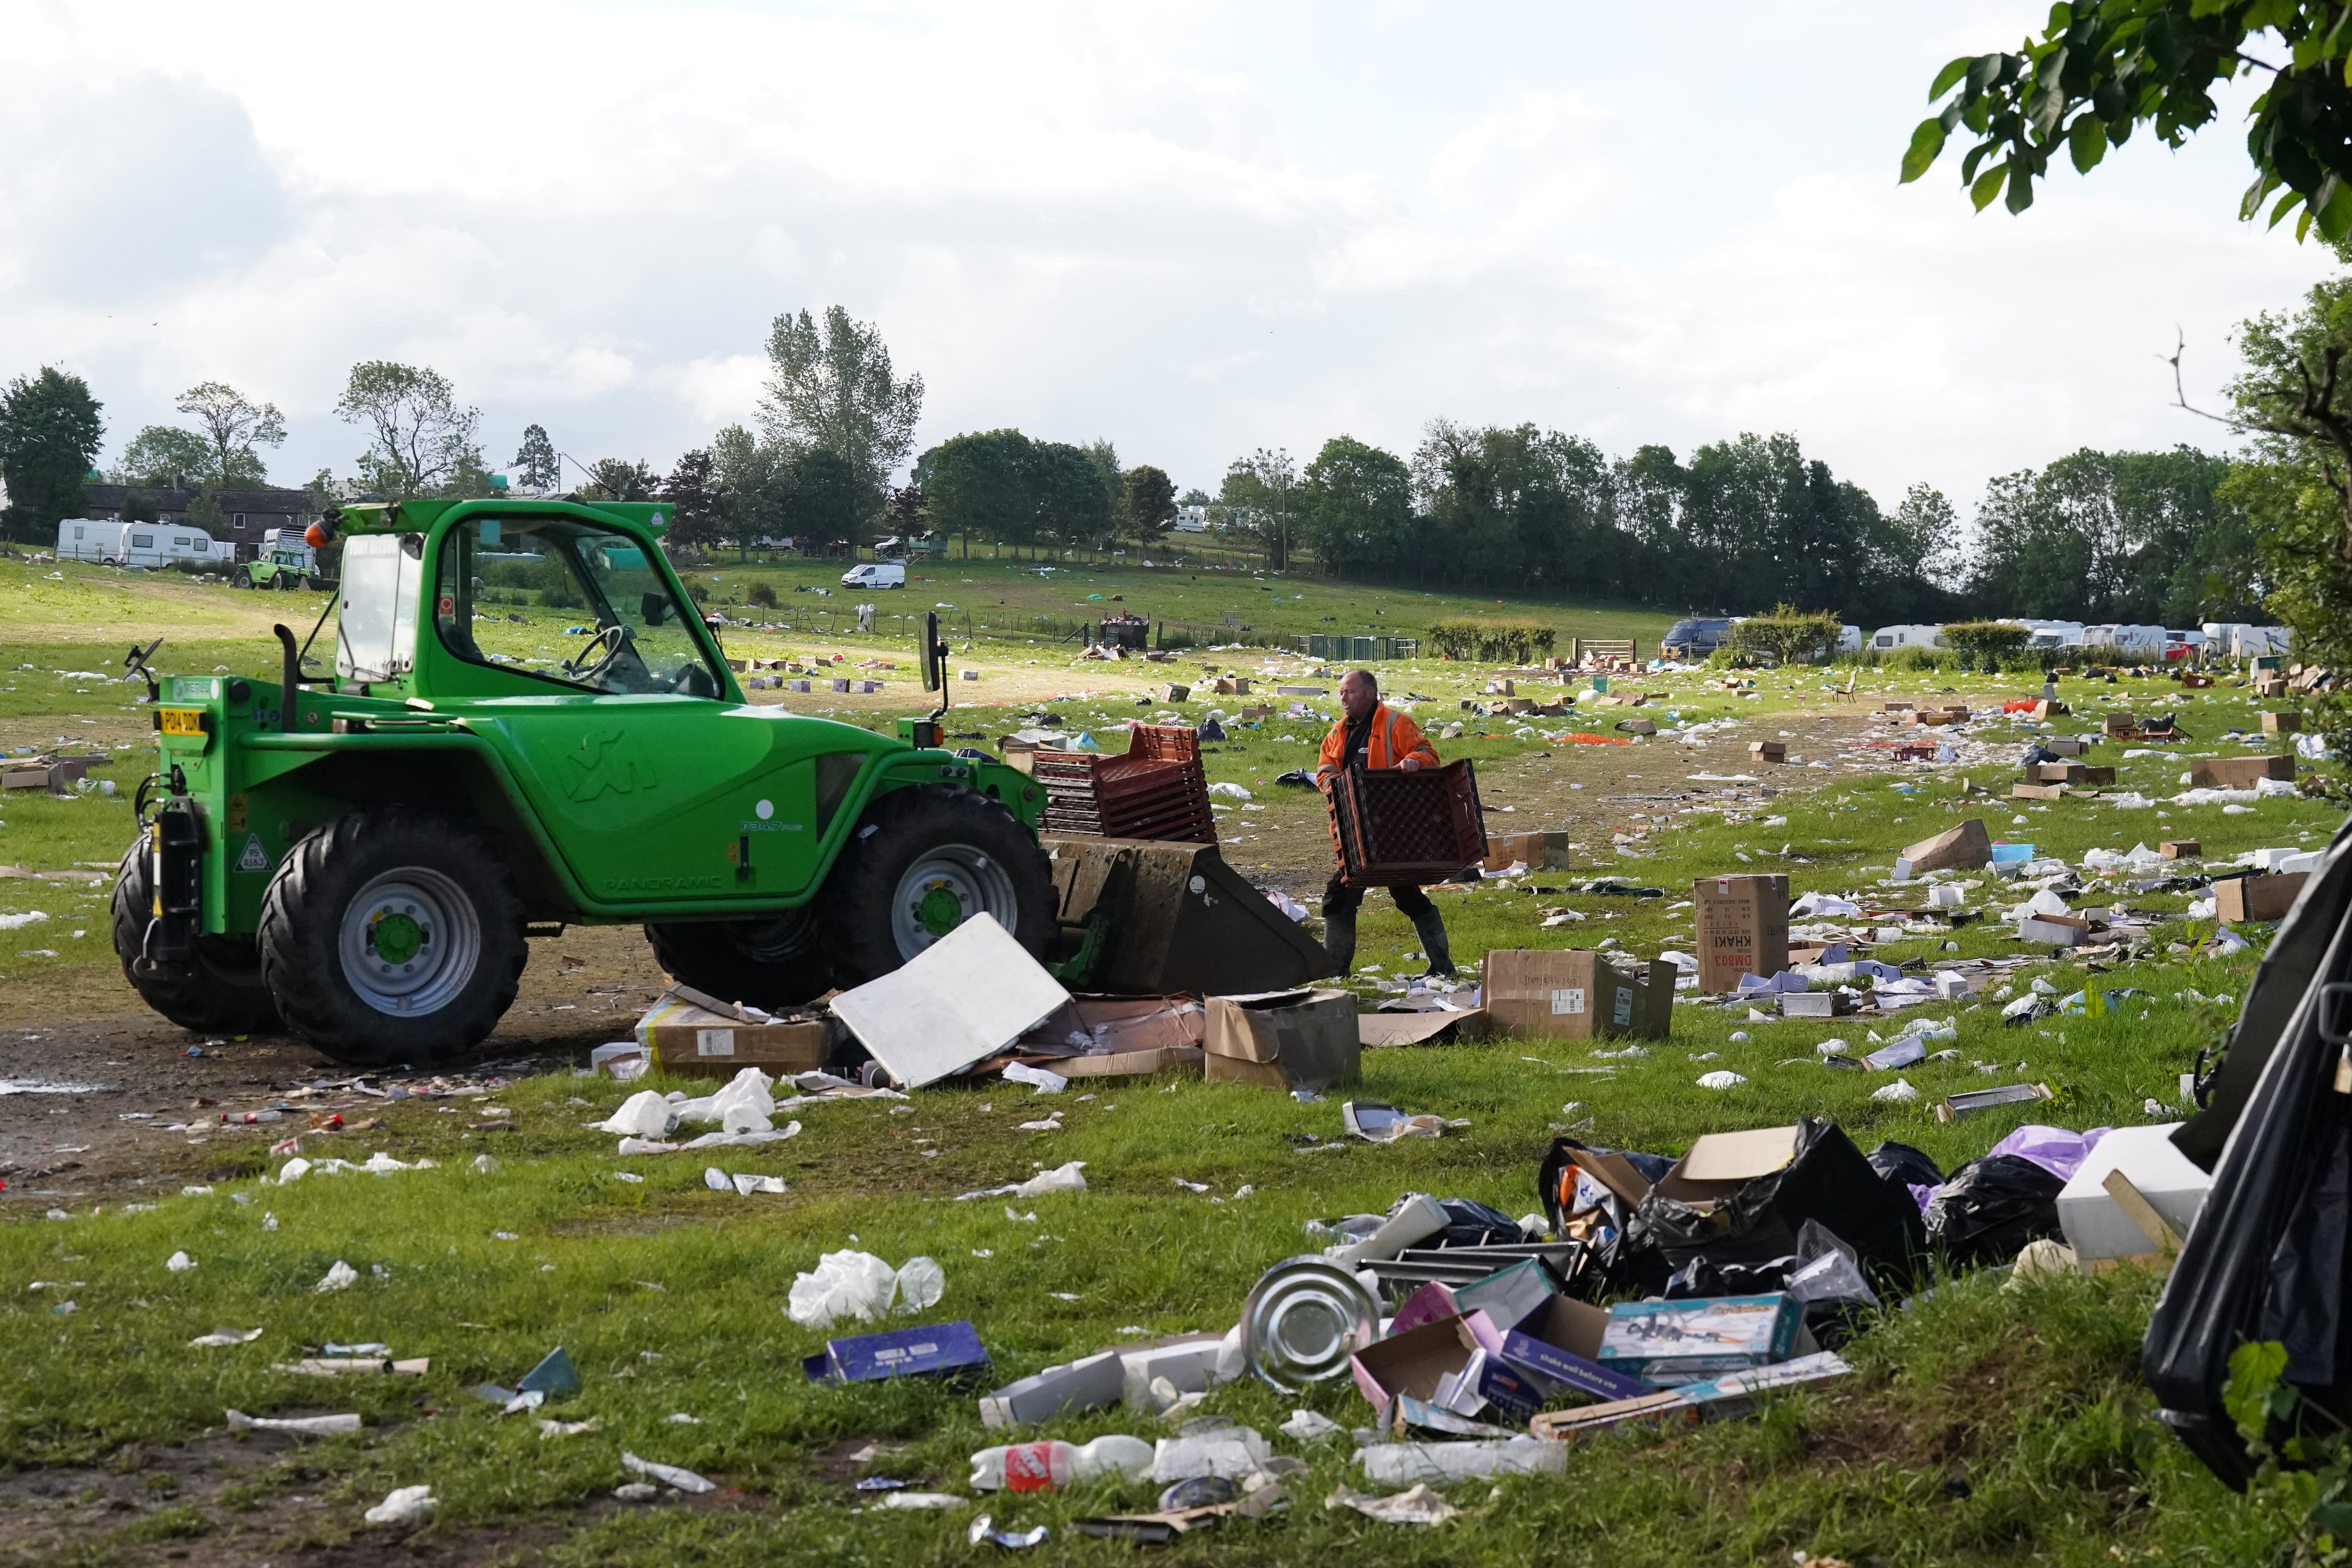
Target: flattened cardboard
x,y
1719,1163
2238,773
1375,1030
1538,851
1960,848
1284,1040
1743,928
966,997
1544,993
1560,1344
938,1349
2257,897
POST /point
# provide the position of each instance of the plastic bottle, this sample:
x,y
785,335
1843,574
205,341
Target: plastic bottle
x,y
1050,1465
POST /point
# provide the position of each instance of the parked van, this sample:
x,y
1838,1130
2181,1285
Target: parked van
x,y
2147,640
879,575
2051,633
2259,642
90,538
1886,638
1695,638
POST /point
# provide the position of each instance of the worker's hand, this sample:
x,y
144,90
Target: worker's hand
x,y
1410,765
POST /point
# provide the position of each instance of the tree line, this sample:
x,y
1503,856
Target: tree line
x,y
1737,525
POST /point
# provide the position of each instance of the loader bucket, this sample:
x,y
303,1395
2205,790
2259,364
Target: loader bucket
x,y
1176,918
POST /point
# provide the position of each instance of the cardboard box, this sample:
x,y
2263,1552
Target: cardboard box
x,y
1560,1344
1814,1004
1509,1294
1540,994
939,1350
1117,1026
1097,1383
1638,726
2096,1226
2238,773
1720,1164
1284,1040
1743,928
1694,1342
1962,849
2256,897
2040,791
680,1037
2269,688
2282,723
2047,710
2055,930
2180,849
1408,1365
2067,745
1768,751
2120,726
1542,851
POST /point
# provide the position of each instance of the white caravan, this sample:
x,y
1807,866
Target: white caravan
x,y
90,538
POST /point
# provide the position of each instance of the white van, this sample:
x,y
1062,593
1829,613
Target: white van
x,y
880,574
2051,634
1888,637
2259,642
90,538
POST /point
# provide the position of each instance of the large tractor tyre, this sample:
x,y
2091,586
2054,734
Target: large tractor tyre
x,y
768,964
927,858
391,937
222,994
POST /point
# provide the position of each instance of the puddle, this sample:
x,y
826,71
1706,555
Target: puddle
x,y
35,1086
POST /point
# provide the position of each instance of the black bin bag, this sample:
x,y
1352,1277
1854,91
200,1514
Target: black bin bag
x,y
2264,1259
1991,1207
1827,1180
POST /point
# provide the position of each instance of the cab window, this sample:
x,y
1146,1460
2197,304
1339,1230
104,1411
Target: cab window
x,y
568,601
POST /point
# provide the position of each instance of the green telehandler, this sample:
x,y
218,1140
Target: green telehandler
x,y
361,850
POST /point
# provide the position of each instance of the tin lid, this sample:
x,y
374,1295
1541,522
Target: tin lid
x,y
1303,1321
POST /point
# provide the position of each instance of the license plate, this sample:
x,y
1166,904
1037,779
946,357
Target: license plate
x,y
182,720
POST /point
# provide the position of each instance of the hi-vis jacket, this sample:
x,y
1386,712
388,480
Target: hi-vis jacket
x,y
1394,737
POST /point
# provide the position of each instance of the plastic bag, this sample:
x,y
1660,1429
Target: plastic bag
x,y
1991,1207
844,1285
1472,1224
644,1114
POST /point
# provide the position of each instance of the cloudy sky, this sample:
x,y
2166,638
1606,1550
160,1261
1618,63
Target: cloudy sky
x,y
1192,228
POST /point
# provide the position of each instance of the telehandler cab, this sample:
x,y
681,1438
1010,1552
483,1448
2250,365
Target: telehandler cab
x,y
361,852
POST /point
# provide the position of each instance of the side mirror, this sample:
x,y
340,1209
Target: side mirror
x,y
935,654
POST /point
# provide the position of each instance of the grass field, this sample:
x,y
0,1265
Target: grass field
x,y
1983,1426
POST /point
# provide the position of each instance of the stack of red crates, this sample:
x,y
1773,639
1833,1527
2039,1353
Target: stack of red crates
x,y
1155,790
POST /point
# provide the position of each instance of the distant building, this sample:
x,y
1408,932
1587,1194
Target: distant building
x,y
245,515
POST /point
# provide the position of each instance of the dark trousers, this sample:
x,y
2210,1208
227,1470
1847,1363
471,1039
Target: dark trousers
x,y
1338,899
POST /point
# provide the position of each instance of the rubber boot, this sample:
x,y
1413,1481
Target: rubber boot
x,y
1339,939
1431,926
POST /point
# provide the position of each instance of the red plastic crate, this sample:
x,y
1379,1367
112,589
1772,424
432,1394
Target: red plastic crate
x,y
1392,826
1155,789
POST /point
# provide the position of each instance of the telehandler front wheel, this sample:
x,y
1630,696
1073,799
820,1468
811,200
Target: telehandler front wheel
x,y
768,964
926,860
392,936
222,994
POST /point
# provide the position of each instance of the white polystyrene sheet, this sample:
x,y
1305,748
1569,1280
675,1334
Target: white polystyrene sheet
x,y
968,995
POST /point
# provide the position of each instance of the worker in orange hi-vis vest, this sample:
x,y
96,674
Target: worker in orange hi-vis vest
x,y
1371,734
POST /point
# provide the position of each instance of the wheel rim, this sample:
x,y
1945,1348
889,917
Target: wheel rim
x,y
410,941
945,888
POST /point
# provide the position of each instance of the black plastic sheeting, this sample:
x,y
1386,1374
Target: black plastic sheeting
x,y
2264,1259
1991,1207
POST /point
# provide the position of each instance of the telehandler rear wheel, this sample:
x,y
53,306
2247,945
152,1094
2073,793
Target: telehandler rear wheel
x,y
222,993
771,963
392,936
926,860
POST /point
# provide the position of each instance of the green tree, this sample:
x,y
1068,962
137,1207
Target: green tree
x,y
422,440
233,427
1259,501
164,455
615,478
1356,507
49,433
1928,533
824,497
535,463
978,485
1147,504
2099,68
692,490
832,387
1071,496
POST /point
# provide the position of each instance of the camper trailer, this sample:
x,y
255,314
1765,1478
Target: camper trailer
x,y
1885,639
90,538
161,544
2051,634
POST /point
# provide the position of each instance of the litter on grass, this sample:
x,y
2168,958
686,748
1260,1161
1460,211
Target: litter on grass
x,y
684,1480
306,1426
